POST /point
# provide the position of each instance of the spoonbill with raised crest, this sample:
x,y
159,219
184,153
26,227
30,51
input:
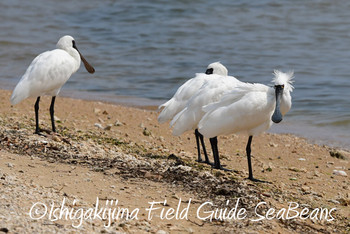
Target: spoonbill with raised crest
x,y
248,108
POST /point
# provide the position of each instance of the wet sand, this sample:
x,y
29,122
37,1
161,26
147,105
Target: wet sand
x,y
113,152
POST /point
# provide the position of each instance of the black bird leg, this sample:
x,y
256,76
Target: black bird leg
x,y
214,143
201,138
196,133
36,108
248,150
204,150
52,113
214,146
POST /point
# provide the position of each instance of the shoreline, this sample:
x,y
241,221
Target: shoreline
x,y
117,152
313,134
129,101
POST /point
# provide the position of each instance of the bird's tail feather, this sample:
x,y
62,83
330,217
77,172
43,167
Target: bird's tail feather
x,y
167,112
18,95
171,108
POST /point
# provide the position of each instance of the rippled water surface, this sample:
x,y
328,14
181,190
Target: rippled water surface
x,y
146,49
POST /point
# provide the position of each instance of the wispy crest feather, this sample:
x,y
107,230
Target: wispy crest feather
x,y
285,79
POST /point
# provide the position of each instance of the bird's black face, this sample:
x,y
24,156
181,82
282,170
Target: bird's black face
x,y
279,87
209,71
74,45
277,116
88,67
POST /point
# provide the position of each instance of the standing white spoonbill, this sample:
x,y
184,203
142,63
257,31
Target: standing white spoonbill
x,y
210,92
248,108
47,73
184,93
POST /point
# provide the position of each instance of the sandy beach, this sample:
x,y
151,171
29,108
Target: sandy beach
x,y
110,152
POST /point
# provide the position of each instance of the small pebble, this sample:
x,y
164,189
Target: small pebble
x,y
56,138
161,232
98,125
339,172
334,201
146,132
96,110
305,188
118,123
108,127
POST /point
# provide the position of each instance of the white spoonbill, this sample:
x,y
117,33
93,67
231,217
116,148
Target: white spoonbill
x,y
184,93
211,91
248,108
47,74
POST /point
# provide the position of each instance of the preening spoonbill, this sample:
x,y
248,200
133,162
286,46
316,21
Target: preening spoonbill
x,y
211,91
248,108
47,74
184,93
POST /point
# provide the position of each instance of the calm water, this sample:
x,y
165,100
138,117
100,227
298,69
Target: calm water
x,y
146,49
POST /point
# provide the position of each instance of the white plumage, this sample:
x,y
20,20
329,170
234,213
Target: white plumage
x,y
48,72
211,91
187,90
237,112
178,102
246,109
249,109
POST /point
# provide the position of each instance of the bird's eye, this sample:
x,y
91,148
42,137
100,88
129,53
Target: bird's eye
x,y
279,86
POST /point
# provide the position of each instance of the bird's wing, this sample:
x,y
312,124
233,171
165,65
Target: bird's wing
x,y
210,92
190,87
47,72
244,109
181,97
234,95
